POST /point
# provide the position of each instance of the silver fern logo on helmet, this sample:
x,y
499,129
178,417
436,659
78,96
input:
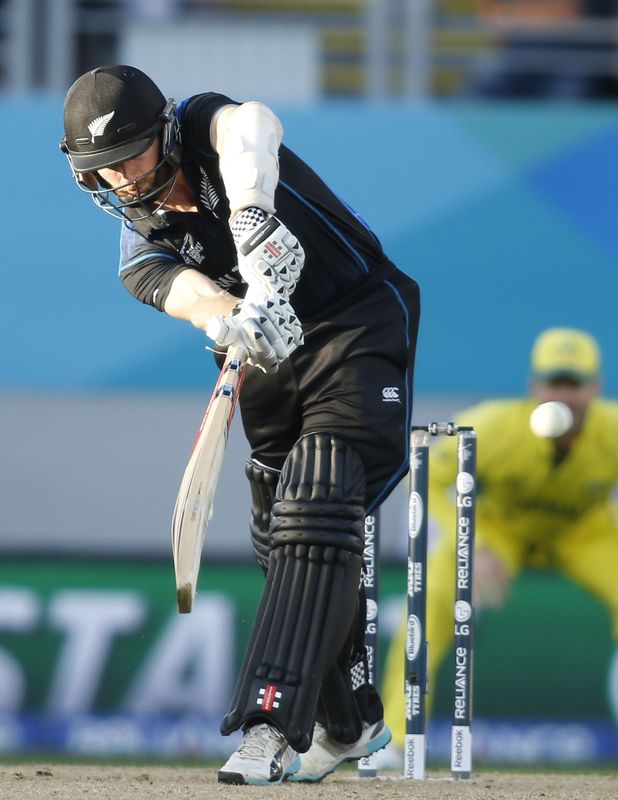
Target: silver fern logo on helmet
x,y
98,125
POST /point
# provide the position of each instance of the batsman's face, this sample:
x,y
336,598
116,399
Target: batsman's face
x,y
134,178
576,395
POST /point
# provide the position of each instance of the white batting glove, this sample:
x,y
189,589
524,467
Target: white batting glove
x,y
270,257
267,328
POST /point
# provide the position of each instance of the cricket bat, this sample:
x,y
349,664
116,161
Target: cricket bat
x,y
194,503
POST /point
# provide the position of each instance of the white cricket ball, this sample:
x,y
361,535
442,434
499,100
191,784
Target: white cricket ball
x,y
550,420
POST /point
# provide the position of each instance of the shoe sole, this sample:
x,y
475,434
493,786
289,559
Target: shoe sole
x,y
238,779
373,745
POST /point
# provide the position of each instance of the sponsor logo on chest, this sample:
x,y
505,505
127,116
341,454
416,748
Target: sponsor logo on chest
x,y
192,252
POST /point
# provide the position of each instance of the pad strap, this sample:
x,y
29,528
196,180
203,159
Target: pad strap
x,y
263,482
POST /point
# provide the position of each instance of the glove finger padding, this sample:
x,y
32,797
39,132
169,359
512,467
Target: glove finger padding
x,y
269,255
267,333
246,330
268,329
261,340
284,317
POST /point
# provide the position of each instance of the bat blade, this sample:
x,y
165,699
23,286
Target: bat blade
x,y
194,503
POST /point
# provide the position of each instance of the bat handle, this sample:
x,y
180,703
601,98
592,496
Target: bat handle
x,y
236,352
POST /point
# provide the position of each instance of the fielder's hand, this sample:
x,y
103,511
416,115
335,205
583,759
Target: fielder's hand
x,y
270,257
266,327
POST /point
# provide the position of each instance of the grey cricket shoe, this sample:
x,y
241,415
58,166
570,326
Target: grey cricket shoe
x,y
326,754
262,757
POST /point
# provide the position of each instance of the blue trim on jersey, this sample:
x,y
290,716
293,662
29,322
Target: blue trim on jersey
x,y
180,108
399,299
180,111
357,216
403,468
328,224
139,259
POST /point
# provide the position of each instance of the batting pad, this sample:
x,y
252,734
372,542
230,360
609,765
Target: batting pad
x,y
310,599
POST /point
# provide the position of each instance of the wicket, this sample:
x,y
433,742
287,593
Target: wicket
x,y
368,765
416,672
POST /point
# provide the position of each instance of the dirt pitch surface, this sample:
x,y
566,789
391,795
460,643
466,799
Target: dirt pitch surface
x,y
77,782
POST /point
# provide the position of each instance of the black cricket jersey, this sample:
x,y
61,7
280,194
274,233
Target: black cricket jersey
x,y
340,249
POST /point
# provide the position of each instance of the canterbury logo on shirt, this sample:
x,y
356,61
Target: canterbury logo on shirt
x,y
390,394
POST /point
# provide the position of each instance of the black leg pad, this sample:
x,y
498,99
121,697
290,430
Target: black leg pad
x,y
310,601
263,482
347,698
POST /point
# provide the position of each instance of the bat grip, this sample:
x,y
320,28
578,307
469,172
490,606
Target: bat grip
x,y
236,351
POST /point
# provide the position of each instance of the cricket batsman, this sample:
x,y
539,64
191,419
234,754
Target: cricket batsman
x,y
225,227
543,499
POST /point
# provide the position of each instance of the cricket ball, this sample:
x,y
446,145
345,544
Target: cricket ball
x,y
551,419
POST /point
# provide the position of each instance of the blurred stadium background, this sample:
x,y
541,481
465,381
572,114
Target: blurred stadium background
x,y
481,145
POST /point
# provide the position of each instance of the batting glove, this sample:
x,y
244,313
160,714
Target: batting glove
x,y
267,328
270,257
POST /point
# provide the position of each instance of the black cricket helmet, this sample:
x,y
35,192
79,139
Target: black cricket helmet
x,y
113,114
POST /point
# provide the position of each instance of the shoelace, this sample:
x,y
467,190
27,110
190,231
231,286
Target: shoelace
x,y
254,743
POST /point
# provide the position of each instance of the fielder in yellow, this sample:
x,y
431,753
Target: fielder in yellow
x,y
541,499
